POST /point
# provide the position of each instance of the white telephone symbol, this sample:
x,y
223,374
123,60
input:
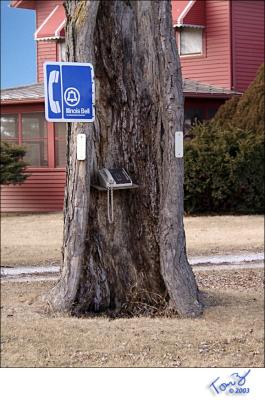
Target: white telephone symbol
x,y
55,105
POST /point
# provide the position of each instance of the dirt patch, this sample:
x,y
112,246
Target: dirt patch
x,y
37,239
229,334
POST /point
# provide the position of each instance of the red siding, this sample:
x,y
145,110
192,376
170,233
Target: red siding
x,y
248,41
42,191
214,66
46,50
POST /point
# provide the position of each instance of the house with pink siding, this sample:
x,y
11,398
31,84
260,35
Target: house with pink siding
x,y
221,46
220,43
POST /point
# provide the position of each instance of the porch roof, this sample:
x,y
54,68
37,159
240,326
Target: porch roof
x,y
53,26
188,13
193,88
30,4
35,92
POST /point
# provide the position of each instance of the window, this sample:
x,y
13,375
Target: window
x,y
32,135
190,41
9,128
34,138
60,144
32,131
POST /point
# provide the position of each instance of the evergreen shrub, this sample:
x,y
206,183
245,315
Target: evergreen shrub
x,y
12,167
224,160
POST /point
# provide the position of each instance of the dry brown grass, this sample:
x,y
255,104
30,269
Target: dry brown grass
x,y
224,234
229,334
37,239
33,239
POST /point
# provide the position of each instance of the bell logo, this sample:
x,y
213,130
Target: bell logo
x,y
71,97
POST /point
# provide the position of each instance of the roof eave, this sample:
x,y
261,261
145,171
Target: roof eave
x,y
21,101
176,25
186,94
49,38
211,95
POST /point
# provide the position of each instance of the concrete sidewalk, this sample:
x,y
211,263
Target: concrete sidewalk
x,y
205,263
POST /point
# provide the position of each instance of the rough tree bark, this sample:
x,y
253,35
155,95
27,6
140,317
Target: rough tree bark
x,y
139,105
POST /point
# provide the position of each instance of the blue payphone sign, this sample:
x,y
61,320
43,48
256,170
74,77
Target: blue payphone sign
x,y
69,92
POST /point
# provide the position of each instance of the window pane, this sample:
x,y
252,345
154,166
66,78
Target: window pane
x,y
60,144
37,153
33,126
190,41
34,138
9,131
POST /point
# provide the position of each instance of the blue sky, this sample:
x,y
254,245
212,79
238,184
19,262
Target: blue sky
x,y
18,50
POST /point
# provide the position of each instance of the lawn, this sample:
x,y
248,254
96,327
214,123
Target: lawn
x,y
37,239
229,333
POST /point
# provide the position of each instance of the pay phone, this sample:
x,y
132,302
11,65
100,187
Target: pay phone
x,y
114,178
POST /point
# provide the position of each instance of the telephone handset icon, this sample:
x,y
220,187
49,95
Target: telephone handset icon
x,y
55,105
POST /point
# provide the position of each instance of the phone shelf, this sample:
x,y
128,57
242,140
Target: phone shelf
x,y
102,188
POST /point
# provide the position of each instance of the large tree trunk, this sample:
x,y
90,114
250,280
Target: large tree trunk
x,y
140,259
